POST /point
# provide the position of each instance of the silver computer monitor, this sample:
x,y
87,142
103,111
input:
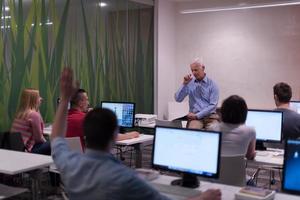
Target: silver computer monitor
x,y
295,105
188,151
267,124
123,110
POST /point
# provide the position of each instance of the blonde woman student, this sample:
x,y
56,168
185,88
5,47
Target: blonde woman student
x,y
28,121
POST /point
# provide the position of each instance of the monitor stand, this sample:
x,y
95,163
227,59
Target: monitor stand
x,y
187,180
260,146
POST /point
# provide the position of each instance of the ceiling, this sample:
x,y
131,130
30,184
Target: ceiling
x,y
184,5
222,3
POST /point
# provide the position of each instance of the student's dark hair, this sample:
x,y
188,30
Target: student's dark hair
x,y
234,110
77,97
99,127
283,92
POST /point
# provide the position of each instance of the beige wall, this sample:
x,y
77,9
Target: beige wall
x,y
245,51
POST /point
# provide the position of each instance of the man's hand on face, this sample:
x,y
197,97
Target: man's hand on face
x,y
187,78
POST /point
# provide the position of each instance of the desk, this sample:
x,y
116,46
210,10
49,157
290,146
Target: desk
x,y
269,157
270,160
14,162
228,191
138,144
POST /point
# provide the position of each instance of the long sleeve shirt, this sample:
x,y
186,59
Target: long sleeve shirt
x,y
203,96
31,129
98,175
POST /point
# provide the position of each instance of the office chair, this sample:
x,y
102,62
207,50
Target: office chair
x,y
12,141
230,164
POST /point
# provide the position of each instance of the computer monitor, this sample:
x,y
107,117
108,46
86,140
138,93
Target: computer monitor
x,y
267,124
123,110
188,151
295,105
291,166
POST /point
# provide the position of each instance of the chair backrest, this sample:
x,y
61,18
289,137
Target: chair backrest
x,y
12,141
2,138
233,170
74,144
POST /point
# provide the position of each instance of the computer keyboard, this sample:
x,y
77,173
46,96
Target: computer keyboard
x,y
175,192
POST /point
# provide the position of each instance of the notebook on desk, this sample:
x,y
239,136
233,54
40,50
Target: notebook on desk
x,y
176,192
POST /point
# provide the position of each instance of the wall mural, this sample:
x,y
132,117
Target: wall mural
x,y
110,49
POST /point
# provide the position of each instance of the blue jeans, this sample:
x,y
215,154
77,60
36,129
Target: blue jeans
x,y
42,148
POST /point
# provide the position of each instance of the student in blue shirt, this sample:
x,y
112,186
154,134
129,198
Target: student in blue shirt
x,y
97,174
203,97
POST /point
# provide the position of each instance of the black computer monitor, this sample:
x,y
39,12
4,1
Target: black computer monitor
x,y
291,167
188,151
123,110
267,124
295,105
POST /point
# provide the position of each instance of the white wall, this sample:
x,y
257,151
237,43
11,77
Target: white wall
x,y
166,44
245,51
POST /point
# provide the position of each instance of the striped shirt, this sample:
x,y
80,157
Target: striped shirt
x,y
31,129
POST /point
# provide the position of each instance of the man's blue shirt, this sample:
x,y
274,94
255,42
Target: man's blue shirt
x,y
98,175
203,96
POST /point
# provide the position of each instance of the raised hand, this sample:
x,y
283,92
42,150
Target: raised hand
x,y
67,86
187,78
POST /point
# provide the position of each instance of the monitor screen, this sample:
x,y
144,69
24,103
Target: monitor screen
x,y
187,150
295,105
291,172
267,124
124,112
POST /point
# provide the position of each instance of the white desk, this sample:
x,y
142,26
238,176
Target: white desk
x,y
141,139
138,144
228,191
14,162
269,157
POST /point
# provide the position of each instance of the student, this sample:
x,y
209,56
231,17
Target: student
x,y
237,138
203,97
76,114
28,121
97,174
291,119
